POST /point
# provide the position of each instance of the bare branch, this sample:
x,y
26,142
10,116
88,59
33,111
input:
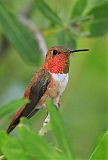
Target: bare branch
x,y
37,34
46,126
27,10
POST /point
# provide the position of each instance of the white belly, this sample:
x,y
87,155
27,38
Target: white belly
x,y
62,80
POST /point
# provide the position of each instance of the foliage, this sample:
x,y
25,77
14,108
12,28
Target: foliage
x,y
87,19
19,35
100,151
29,145
8,109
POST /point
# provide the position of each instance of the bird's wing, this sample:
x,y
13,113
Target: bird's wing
x,y
37,90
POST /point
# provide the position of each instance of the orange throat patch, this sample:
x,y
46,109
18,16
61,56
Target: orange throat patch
x,y
57,64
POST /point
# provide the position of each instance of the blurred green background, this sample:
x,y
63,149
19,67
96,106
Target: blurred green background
x,y
84,102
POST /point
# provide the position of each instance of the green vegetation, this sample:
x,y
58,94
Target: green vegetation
x,y
75,132
28,145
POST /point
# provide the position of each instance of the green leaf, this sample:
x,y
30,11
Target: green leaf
x,y
101,151
48,12
13,150
3,140
35,145
79,8
91,4
59,131
99,20
11,107
67,39
19,35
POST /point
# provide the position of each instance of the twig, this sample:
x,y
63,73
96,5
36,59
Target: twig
x,y
38,36
44,129
27,10
24,17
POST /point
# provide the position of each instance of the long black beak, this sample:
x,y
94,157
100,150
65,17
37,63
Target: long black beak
x,y
78,50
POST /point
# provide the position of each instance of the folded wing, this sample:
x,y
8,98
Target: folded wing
x,y
37,90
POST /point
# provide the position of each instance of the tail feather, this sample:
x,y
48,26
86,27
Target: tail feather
x,y
16,119
12,125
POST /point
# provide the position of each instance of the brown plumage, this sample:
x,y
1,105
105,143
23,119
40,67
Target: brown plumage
x,y
49,82
36,90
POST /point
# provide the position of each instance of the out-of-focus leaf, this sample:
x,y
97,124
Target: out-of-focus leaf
x,y
3,139
13,150
37,146
11,107
101,151
91,4
59,131
79,8
19,36
99,20
48,12
65,38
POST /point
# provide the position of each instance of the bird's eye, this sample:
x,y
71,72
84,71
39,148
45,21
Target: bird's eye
x,y
55,52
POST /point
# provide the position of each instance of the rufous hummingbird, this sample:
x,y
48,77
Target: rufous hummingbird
x,y
49,82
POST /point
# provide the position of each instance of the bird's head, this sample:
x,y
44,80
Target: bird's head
x,y
57,59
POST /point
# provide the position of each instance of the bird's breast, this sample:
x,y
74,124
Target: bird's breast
x,y
60,81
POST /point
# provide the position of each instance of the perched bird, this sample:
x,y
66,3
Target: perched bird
x,y
49,82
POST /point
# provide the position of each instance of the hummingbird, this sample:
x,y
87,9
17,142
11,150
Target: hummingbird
x,y
49,82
